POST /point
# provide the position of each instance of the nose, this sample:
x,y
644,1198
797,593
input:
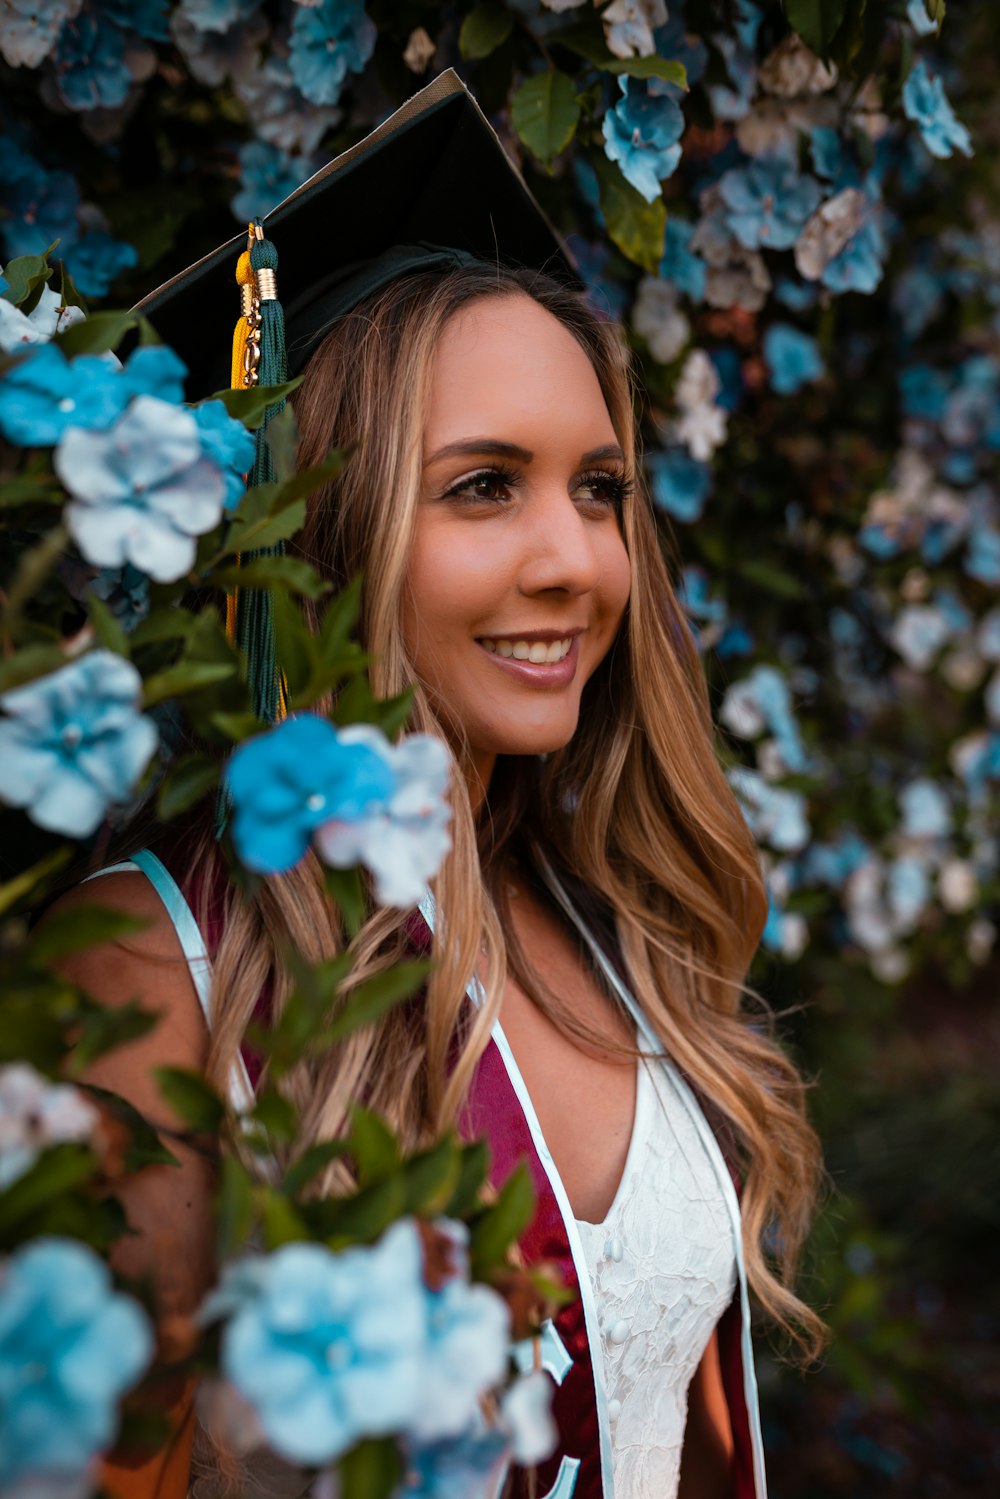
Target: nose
x,y
558,550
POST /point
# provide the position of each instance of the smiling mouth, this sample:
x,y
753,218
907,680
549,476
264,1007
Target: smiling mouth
x,y
538,652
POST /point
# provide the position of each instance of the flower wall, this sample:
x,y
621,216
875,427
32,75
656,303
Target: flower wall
x,y
795,210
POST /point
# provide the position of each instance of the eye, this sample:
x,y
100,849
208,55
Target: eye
x,y
603,488
492,485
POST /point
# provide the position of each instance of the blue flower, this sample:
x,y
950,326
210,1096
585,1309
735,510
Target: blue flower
x,y
96,260
916,14
464,1467
681,266
733,103
923,392
42,395
674,41
793,358
761,701
773,814
228,444
831,159
327,1348
153,370
146,18
70,1346
641,134
768,203
917,297
280,113
860,264
38,206
29,29
908,891
286,783
925,103
797,296
73,743
926,813
403,840
125,590
90,67
142,491
982,560
694,597
329,40
680,484
267,176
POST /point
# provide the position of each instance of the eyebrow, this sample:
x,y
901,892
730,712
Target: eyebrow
x,y
472,447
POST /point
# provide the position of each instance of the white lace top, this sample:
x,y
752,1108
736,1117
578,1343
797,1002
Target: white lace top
x,y
663,1268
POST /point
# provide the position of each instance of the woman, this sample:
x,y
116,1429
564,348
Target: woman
x,y
601,903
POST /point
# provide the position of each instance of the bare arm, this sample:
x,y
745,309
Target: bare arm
x,y
169,1208
707,1460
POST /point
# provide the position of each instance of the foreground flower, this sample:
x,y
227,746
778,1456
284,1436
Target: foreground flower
x,y
35,1113
143,491
43,393
329,40
49,316
925,103
403,840
464,1467
287,783
327,1348
74,743
228,444
642,134
70,1346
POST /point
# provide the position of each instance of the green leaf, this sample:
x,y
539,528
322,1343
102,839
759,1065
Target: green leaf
x,y
172,623
103,331
816,21
294,646
29,880
56,1172
275,1115
772,579
363,1218
145,1148
348,894
191,1098
311,1162
339,618
272,572
80,927
493,1234
186,783
250,406
106,1029
485,29
29,664
545,113
637,227
281,527
26,276
234,1211
28,489
184,677
107,628
376,997
282,437
589,43
237,726
280,1222
372,1470
67,290
373,1146
474,1165
431,1178
391,713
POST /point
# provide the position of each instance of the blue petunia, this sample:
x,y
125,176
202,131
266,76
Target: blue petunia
x,y
792,357
44,394
680,265
773,814
287,783
267,176
229,445
680,485
464,1467
860,265
90,67
96,260
768,203
923,392
36,206
217,15
831,159
916,14
642,134
982,560
142,491
327,1348
74,743
70,1346
925,808
329,41
925,103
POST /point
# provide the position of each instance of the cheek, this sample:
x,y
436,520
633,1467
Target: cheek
x,y
616,580
449,584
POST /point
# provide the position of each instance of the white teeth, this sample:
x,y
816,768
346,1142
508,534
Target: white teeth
x,y
536,651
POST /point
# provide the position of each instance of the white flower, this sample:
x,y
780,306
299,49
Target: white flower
x,y
49,316
419,50
142,491
702,424
657,318
828,230
918,633
794,935
957,885
403,843
34,1114
890,965
526,1412
629,26
741,711
979,940
791,69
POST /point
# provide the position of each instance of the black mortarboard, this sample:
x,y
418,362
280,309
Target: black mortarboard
x,y
432,177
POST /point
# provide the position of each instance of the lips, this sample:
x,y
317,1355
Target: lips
x,y
557,673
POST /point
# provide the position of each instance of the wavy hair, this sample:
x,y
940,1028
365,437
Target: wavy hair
x,y
655,847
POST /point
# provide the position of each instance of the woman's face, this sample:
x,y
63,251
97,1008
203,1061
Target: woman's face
x,y
518,574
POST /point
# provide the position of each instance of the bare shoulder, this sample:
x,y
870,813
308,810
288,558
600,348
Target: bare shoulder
x,y
147,965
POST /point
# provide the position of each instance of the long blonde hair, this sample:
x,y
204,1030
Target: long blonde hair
x,y
655,845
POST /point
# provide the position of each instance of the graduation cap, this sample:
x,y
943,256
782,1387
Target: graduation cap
x,y
430,189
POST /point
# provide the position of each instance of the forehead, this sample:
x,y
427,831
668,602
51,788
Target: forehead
x,y
504,362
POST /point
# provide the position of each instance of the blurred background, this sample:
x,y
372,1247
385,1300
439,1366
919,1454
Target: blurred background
x,y
804,245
